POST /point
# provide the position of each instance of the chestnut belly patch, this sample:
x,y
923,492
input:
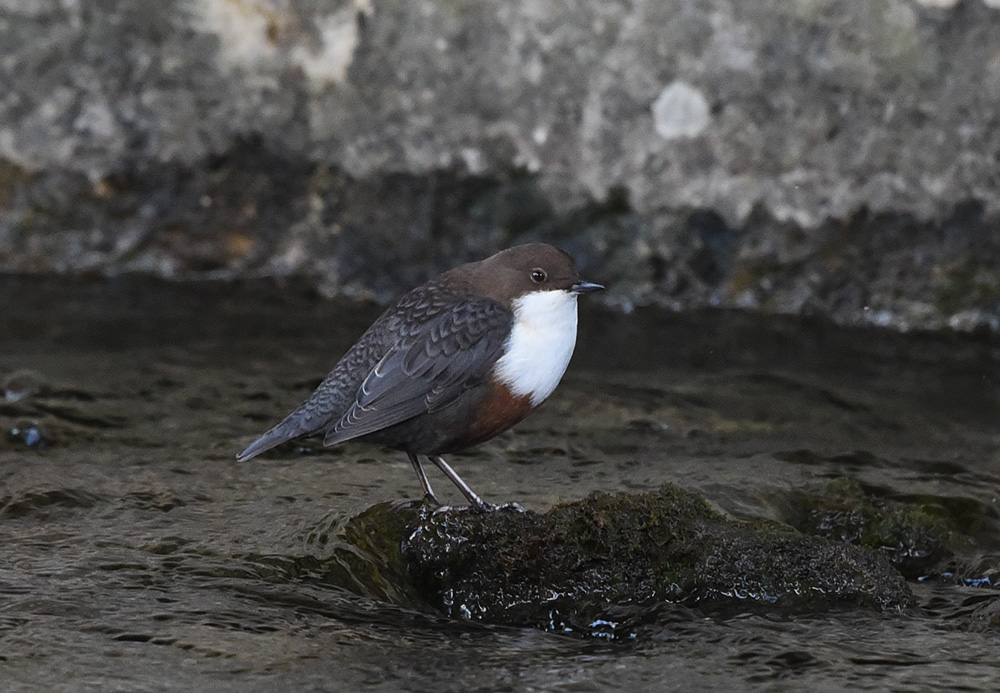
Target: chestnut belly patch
x,y
499,410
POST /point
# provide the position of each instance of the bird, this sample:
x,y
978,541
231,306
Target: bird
x,y
453,363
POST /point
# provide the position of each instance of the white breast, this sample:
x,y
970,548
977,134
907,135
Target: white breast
x,y
540,344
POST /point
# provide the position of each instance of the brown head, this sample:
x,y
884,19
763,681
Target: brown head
x,y
524,269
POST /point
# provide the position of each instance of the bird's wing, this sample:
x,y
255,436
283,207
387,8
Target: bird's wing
x,y
429,370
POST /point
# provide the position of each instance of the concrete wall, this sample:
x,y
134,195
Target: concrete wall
x,y
832,157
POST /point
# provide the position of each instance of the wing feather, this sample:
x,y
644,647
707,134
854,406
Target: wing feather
x,y
427,371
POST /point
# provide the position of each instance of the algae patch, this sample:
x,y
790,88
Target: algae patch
x,y
917,537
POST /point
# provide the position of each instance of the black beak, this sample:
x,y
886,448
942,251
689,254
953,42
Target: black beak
x,y
586,287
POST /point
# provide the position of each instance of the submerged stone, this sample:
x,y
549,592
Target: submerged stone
x,y
28,434
917,537
21,385
609,561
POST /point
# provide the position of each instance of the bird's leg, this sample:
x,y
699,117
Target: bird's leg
x,y
424,482
477,502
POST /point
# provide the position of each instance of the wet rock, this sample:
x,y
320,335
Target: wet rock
x,y
363,554
21,385
36,412
918,538
609,561
28,434
985,612
982,570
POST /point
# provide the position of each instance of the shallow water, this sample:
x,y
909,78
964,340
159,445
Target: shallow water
x,y
138,555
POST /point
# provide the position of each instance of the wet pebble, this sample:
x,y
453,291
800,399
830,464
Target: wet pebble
x,y
28,434
21,385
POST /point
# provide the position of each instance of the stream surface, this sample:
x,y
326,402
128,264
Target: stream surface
x,y
137,554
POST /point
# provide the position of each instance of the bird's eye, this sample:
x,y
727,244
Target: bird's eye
x,y
538,275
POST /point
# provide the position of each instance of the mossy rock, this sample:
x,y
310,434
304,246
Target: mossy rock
x,y
610,560
917,537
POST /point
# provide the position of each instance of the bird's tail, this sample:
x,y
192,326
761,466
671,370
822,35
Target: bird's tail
x,y
300,422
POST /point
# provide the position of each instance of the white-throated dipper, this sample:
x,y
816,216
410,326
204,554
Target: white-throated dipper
x,y
453,363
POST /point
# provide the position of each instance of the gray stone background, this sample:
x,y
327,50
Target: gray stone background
x,y
826,157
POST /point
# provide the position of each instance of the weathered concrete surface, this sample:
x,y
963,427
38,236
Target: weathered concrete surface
x,y
835,157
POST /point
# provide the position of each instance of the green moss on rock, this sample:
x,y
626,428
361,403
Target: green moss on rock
x,y
611,560
916,537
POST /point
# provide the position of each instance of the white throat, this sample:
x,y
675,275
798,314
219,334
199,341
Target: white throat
x,y
540,344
